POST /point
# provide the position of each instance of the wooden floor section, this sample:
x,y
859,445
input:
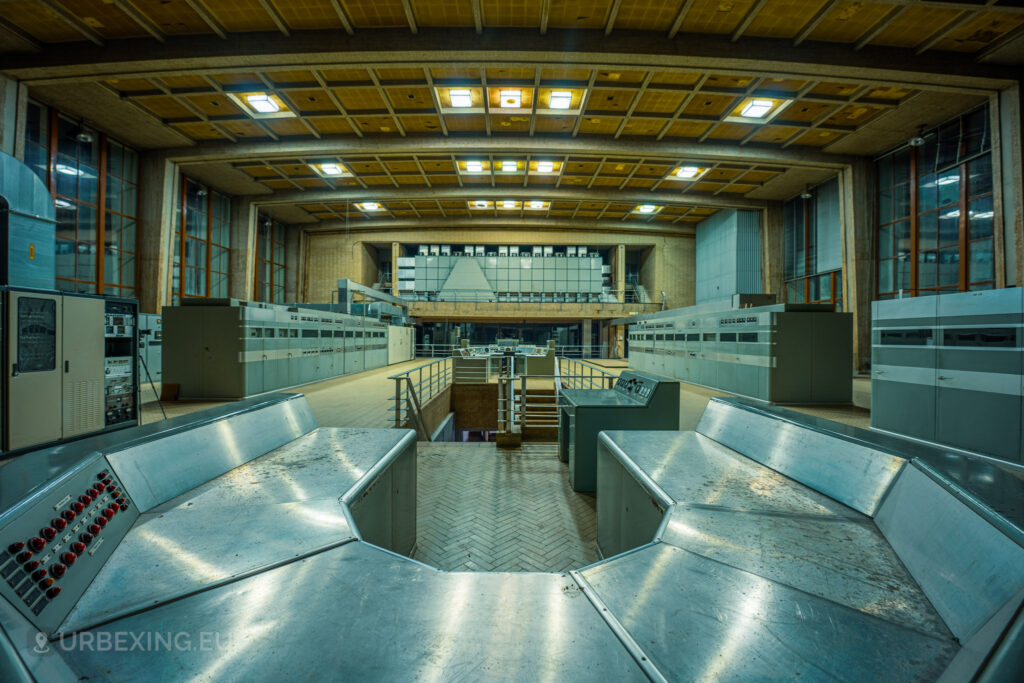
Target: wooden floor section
x,y
480,508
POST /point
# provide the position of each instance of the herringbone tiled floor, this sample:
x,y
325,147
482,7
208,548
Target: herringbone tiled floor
x,y
485,509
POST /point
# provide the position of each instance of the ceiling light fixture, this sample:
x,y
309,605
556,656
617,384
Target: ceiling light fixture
x,y
806,194
756,109
512,98
461,97
509,166
687,172
332,169
646,208
474,166
84,137
370,206
480,204
262,103
545,166
560,99
508,204
536,204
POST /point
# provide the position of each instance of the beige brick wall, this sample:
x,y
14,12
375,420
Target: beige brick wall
x,y
670,265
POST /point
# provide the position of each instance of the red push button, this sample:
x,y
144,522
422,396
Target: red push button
x,y
58,570
49,533
25,556
107,481
39,575
53,592
46,583
69,515
15,547
124,506
59,523
85,500
32,566
77,507
86,537
100,487
121,501
78,547
37,544
101,475
68,558
92,492
94,529
108,513
102,521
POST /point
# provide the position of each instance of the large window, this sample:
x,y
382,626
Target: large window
x,y
93,181
812,237
203,236
935,211
270,262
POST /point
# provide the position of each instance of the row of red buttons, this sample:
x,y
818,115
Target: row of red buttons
x,y
68,558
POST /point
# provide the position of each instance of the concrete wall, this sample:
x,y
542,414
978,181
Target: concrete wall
x,y
330,255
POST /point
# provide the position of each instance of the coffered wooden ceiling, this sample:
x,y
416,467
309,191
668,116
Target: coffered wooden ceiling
x,y
191,66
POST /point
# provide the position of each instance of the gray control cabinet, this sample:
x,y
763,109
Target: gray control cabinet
x,y
639,400
151,347
950,368
227,348
784,353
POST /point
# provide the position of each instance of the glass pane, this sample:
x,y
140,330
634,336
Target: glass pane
x,y
131,165
115,158
903,273
976,135
129,199
195,253
67,176
901,201
949,227
128,234
885,172
67,218
64,259
980,218
85,266
949,266
980,261
926,269
825,286
113,193
37,125
113,230
89,152
949,186
927,154
979,174
928,231
901,235
885,204
66,142
885,241
35,158
219,286
88,185
949,143
111,266
86,224
885,276
927,193
901,167
127,269
195,224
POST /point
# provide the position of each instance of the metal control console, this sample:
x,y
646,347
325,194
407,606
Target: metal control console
x,y
53,550
639,400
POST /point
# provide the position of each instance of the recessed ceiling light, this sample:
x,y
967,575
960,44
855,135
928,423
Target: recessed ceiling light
x,y
262,103
560,99
646,208
545,166
474,166
461,97
508,204
688,172
332,169
756,109
511,98
509,166
480,204
370,206
536,204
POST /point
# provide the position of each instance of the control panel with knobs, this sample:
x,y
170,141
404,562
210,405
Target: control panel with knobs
x,y
51,552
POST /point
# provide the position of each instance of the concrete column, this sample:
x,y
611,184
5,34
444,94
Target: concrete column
x,y
292,271
773,260
586,331
395,251
619,267
618,341
1007,158
13,111
859,224
157,215
242,284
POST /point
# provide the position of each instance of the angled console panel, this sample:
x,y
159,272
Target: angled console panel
x,y
158,470
851,473
941,541
699,619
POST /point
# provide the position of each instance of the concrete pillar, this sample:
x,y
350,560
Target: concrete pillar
x,y
585,333
773,260
1007,157
395,252
859,222
618,342
243,249
13,111
158,185
292,271
619,267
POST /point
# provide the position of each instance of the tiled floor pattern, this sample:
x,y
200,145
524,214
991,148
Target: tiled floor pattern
x,y
484,509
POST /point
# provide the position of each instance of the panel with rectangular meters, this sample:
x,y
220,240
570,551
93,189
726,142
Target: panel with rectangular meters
x,y
53,550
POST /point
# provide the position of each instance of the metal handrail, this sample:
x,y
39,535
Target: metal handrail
x,y
416,387
513,401
617,299
579,351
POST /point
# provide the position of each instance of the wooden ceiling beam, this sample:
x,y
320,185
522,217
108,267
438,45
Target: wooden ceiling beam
x,y
275,16
814,21
613,14
346,23
200,8
410,16
20,35
748,19
680,18
139,17
73,21
892,15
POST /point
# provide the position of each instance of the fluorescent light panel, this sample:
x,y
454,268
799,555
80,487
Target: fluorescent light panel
x,y
545,166
262,103
687,172
370,206
461,97
511,99
646,208
756,109
475,166
509,166
560,99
